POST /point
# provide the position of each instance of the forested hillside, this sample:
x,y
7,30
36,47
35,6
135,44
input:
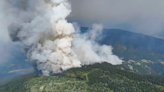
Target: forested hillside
x,y
93,78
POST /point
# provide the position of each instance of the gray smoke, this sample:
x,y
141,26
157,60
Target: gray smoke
x,y
41,27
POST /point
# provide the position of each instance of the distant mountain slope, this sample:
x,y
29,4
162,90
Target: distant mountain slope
x,y
134,45
147,52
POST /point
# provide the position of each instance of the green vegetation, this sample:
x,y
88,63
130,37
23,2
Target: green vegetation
x,y
17,84
93,78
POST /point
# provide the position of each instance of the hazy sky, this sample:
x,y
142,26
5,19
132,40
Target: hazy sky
x,y
143,16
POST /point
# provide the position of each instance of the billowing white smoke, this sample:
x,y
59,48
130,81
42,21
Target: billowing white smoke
x,y
89,51
47,37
